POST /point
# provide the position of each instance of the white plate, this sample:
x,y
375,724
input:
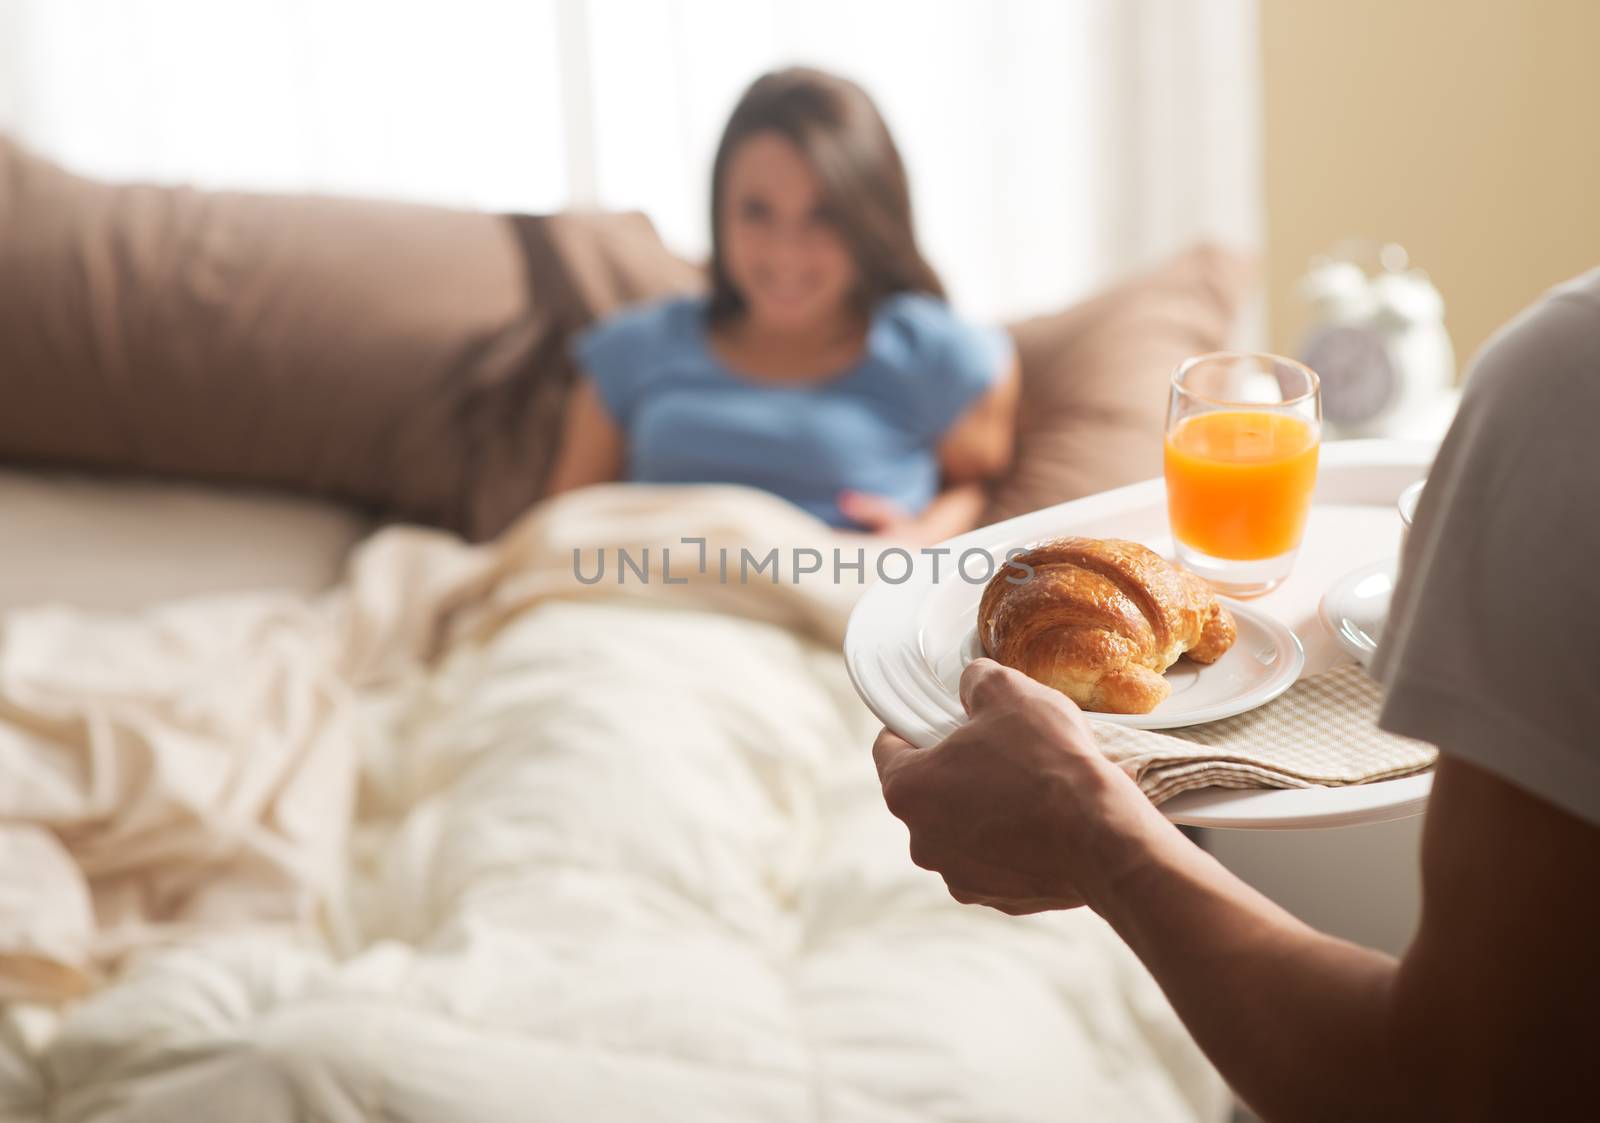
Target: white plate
x,y
1264,661
1353,523
1355,607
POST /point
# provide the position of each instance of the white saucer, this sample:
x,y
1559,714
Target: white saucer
x,y
1355,607
906,650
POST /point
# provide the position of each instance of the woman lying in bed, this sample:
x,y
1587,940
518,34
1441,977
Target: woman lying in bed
x,y
824,366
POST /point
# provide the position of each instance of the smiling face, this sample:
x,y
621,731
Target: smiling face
x,y
781,247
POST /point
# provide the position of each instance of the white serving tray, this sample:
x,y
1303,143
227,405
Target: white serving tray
x,y
1353,523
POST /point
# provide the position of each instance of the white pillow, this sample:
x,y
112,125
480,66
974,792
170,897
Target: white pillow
x,y
121,544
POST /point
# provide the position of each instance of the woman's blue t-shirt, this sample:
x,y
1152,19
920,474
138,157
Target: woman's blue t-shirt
x,y
689,418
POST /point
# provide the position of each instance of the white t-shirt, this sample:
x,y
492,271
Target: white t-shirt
x,y
1492,647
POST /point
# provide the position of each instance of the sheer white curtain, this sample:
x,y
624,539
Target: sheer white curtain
x,y
1052,143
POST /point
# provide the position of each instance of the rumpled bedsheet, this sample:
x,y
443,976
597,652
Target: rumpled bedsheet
x,y
470,839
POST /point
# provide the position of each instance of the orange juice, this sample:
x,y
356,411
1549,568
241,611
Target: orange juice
x,y
1239,482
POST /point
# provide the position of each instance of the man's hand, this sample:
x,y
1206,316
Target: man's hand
x,y
1017,809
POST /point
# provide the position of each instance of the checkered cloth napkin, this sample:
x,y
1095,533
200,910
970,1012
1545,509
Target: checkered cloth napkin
x,y
1322,731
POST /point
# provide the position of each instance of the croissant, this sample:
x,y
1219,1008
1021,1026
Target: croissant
x,y
1100,619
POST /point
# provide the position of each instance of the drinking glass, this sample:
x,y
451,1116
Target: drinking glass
x,y
1243,430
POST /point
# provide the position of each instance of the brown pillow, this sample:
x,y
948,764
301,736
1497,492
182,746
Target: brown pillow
x,y
383,354
1095,377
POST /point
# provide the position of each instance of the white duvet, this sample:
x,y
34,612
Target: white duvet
x,y
617,854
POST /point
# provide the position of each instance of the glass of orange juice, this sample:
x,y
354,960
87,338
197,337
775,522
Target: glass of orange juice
x,y
1243,431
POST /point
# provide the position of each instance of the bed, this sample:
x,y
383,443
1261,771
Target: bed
x,y
616,851
311,811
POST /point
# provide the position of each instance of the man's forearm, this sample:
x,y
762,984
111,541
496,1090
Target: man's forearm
x,y
1295,1020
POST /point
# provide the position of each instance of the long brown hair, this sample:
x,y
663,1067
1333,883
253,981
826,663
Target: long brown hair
x,y
834,124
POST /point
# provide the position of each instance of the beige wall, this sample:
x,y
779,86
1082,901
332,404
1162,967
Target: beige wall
x,y
1467,130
